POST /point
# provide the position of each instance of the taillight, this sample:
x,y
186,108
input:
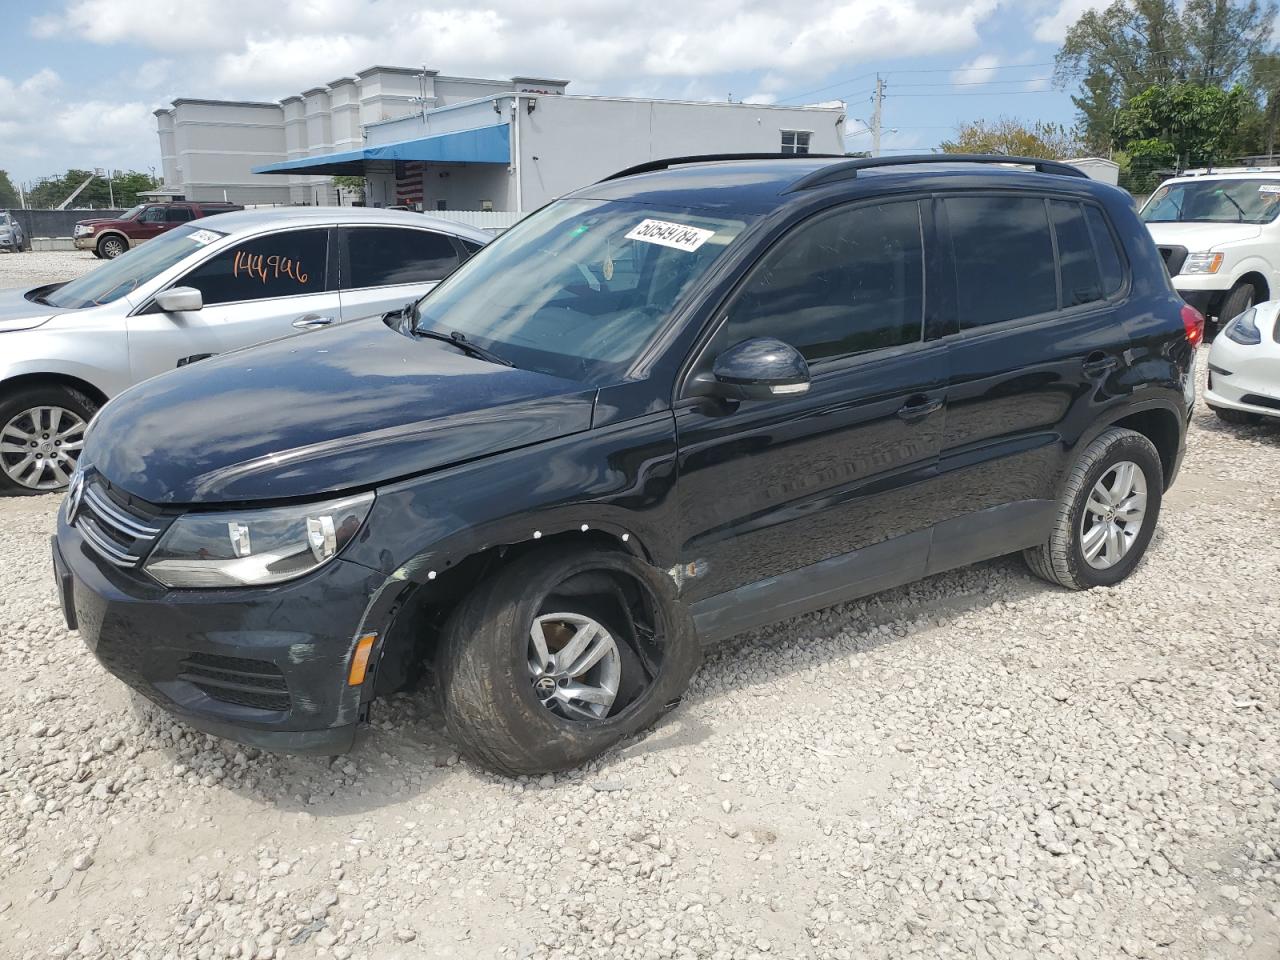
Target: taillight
x,y
1193,323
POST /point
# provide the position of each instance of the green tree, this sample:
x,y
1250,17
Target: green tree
x,y
1015,138
350,185
1118,52
122,190
8,195
1175,126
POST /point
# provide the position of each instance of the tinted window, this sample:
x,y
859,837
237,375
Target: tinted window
x,y
470,245
1080,280
277,265
178,214
1108,255
384,255
840,285
152,215
1004,258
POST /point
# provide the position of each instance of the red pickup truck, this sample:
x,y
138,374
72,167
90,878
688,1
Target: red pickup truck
x,y
110,237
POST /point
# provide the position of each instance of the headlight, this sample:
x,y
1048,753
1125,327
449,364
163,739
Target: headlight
x,y
1243,330
81,230
251,547
1203,263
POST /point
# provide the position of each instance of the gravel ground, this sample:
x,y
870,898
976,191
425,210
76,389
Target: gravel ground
x,y
978,765
34,267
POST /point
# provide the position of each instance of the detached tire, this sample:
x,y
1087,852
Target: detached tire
x,y
511,709
1106,515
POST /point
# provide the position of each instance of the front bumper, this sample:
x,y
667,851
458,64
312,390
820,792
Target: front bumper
x,y
265,666
1247,385
86,242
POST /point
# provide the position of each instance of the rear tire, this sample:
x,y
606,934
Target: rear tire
x,y
504,703
1240,418
27,417
1102,467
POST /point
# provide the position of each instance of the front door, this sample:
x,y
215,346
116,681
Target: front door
x,y
253,291
384,268
771,487
150,223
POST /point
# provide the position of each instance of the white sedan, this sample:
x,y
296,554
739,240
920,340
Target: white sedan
x,y
1244,366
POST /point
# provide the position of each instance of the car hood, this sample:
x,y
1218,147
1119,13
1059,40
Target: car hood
x,y
17,312
1203,236
93,221
348,407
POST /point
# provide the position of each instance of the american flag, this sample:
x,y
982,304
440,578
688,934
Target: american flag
x,y
409,182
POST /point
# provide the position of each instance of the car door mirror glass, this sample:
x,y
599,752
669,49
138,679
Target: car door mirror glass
x,y
180,300
758,369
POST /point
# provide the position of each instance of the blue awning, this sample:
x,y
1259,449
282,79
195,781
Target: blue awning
x,y
481,145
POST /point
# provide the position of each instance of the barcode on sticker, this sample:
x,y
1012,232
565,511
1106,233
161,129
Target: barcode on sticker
x,y
1269,188
675,235
203,236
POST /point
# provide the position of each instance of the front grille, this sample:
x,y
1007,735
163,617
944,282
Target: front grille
x,y
1174,258
238,680
115,528
1257,400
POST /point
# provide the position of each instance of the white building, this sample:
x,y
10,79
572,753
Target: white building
x,y
450,143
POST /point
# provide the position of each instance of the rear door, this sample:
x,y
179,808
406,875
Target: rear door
x,y
1035,345
253,291
769,487
383,268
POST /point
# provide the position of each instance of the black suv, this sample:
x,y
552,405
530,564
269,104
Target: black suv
x,y
697,397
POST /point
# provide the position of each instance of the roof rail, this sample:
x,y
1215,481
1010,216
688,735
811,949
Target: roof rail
x,y
848,170
652,165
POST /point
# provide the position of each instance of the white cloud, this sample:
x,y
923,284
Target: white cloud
x,y
1053,28
673,48
978,70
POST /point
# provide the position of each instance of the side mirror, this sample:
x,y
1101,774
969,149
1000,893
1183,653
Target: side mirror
x,y
180,300
758,369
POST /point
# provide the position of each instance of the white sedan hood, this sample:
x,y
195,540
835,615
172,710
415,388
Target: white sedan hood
x,y
19,313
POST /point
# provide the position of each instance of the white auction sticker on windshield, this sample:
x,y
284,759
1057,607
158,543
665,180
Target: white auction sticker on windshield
x,y
1269,188
675,235
203,236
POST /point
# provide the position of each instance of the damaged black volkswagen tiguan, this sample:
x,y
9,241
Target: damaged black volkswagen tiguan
x,y
697,397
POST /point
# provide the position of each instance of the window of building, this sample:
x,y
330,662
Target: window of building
x,y
795,141
1081,282
380,256
842,284
278,265
1004,258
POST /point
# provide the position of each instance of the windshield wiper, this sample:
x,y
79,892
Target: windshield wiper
x,y
465,345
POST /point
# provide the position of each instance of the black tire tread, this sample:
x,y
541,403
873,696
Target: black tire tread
x,y
1051,560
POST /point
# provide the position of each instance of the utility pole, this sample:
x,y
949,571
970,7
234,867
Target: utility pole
x,y
876,115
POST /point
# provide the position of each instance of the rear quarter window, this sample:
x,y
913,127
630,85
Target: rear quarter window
x,y
1109,260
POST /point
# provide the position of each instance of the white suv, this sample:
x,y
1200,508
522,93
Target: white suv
x,y
1220,238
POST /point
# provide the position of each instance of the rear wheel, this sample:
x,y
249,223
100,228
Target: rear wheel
x,y
559,656
1240,299
1106,514
41,436
111,246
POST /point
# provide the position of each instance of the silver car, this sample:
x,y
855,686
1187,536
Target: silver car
x,y
210,286
11,236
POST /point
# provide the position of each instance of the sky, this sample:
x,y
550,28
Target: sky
x,y
79,79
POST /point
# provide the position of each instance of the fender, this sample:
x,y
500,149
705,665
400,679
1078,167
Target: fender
x,y
102,382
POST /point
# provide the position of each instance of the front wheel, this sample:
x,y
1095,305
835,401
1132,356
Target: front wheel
x,y
41,436
559,656
1106,514
1238,417
110,247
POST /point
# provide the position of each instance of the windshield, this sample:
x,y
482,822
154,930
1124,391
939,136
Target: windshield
x,y
121,276
577,289
1214,201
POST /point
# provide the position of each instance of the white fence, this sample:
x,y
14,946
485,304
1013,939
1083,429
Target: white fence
x,y
495,220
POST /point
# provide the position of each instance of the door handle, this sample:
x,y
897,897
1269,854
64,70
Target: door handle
x,y
917,408
1098,364
312,320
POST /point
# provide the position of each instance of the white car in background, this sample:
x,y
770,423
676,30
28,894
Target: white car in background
x,y
1220,237
213,285
1244,366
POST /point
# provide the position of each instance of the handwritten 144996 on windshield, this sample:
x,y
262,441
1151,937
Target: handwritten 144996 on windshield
x,y
267,267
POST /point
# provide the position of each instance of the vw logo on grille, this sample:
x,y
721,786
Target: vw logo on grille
x,y
74,493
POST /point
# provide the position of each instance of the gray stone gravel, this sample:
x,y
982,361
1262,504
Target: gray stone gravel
x,y
34,267
978,765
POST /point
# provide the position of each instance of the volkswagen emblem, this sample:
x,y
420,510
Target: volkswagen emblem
x,y
545,686
74,492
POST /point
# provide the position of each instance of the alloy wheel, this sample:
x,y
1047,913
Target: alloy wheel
x,y
1113,515
574,665
112,248
39,447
